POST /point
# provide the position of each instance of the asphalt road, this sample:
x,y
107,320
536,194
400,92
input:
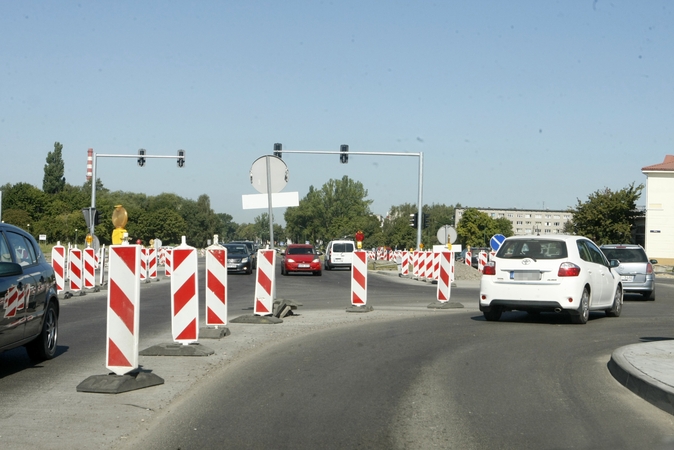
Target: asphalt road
x,y
402,376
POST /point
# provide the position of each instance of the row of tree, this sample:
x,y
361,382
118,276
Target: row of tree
x,y
337,210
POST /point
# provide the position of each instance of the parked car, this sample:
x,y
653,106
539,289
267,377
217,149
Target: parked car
x,y
300,258
635,269
561,274
239,258
29,306
338,254
252,249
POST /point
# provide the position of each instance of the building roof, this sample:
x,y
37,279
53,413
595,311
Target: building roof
x,y
666,165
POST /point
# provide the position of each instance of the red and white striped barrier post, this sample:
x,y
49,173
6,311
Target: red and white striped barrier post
x,y
216,286
444,276
415,263
152,263
428,263
184,294
482,261
102,266
452,261
167,262
121,355
89,267
75,269
436,264
143,264
405,263
359,279
58,262
265,278
469,256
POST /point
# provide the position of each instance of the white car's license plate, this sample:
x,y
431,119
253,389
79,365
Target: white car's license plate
x,y
303,266
627,278
525,275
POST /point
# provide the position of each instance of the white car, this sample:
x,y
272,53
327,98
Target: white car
x,y
550,273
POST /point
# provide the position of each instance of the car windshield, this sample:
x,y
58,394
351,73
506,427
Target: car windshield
x,y
532,248
626,255
300,251
236,249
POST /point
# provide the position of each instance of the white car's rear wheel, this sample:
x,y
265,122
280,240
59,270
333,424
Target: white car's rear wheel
x,y
583,313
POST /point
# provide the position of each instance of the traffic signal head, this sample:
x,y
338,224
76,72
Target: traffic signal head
x,y
141,160
344,154
427,220
181,158
413,220
277,150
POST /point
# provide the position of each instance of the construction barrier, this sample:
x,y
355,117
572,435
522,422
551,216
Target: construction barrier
x,y
216,285
482,261
143,264
89,268
121,353
359,278
469,256
404,263
58,262
184,294
152,263
264,282
444,276
167,262
75,269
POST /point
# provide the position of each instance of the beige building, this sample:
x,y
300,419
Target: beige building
x,y
526,221
659,229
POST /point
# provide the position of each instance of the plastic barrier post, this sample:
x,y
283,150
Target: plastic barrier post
x,y
121,353
444,277
75,269
216,286
58,262
143,264
89,267
359,278
264,282
482,261
184,294
152,263
168,262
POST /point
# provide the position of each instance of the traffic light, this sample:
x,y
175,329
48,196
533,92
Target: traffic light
x,y
141,160
344,154
181,158
427,220
277,150
413,220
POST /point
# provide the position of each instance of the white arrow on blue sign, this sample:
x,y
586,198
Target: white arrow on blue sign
x,y
496,241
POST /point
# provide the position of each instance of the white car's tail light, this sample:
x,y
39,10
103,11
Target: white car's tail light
x,y
568,269
489,269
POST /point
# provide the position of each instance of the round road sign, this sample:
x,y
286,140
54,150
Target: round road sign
x,y
496,241
446,234
278,174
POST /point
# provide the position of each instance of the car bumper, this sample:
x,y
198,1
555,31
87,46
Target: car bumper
x,y
639,286
303,267
232,267
542,296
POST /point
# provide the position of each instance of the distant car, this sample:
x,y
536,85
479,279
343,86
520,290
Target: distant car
x,y
238,258
29,306
252,248
300,258
338,254
635,269
545,273
475,255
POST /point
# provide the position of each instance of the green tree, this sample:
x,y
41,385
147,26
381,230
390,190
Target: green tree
x,y
25,197
607,217
476,228
227,227
54,181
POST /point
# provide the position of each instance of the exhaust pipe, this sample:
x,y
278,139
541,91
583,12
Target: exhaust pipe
x,y
558,310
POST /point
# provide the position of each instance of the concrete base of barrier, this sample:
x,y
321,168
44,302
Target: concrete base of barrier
x,y
445,305
214,333
264,320
359,309
175,349
115,384
284,307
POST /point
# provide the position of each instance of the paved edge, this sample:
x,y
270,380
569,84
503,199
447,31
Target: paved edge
x,y
646,387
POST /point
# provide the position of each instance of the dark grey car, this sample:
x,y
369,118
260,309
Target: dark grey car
x,y
636,271
29,307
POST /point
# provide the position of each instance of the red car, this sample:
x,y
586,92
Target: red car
x,y
300,258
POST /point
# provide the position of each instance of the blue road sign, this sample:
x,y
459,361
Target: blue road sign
x,y
496,241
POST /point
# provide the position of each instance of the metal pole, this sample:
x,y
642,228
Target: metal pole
x,y
420,217
0,206
93,192
271,222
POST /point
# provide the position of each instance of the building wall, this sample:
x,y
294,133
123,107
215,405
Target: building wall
x,y
526,221
660,216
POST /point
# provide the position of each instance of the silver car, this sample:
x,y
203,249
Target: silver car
x,y
635,270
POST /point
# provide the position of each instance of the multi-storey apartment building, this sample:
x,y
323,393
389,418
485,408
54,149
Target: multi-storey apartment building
x,y
526,221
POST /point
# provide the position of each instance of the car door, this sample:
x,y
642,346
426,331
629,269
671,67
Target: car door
x,y
15,292
602,278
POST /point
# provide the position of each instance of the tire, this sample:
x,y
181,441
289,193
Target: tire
x,y
650,295
617,306
44,346
493,315
583,313
318,273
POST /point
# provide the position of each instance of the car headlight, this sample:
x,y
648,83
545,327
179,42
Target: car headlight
x,y
244,260
290,260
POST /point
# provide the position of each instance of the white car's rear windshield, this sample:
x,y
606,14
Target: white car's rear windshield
x,y
534,248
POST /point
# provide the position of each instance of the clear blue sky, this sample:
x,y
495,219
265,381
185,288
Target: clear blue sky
x,y
523,104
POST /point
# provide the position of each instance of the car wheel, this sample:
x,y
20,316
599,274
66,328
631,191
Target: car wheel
x,y
249,270
493,314
318,273
583,312
650,295
44,346
617,306
283,272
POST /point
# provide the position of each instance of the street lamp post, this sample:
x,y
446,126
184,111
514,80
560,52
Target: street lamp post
x,y
75,236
